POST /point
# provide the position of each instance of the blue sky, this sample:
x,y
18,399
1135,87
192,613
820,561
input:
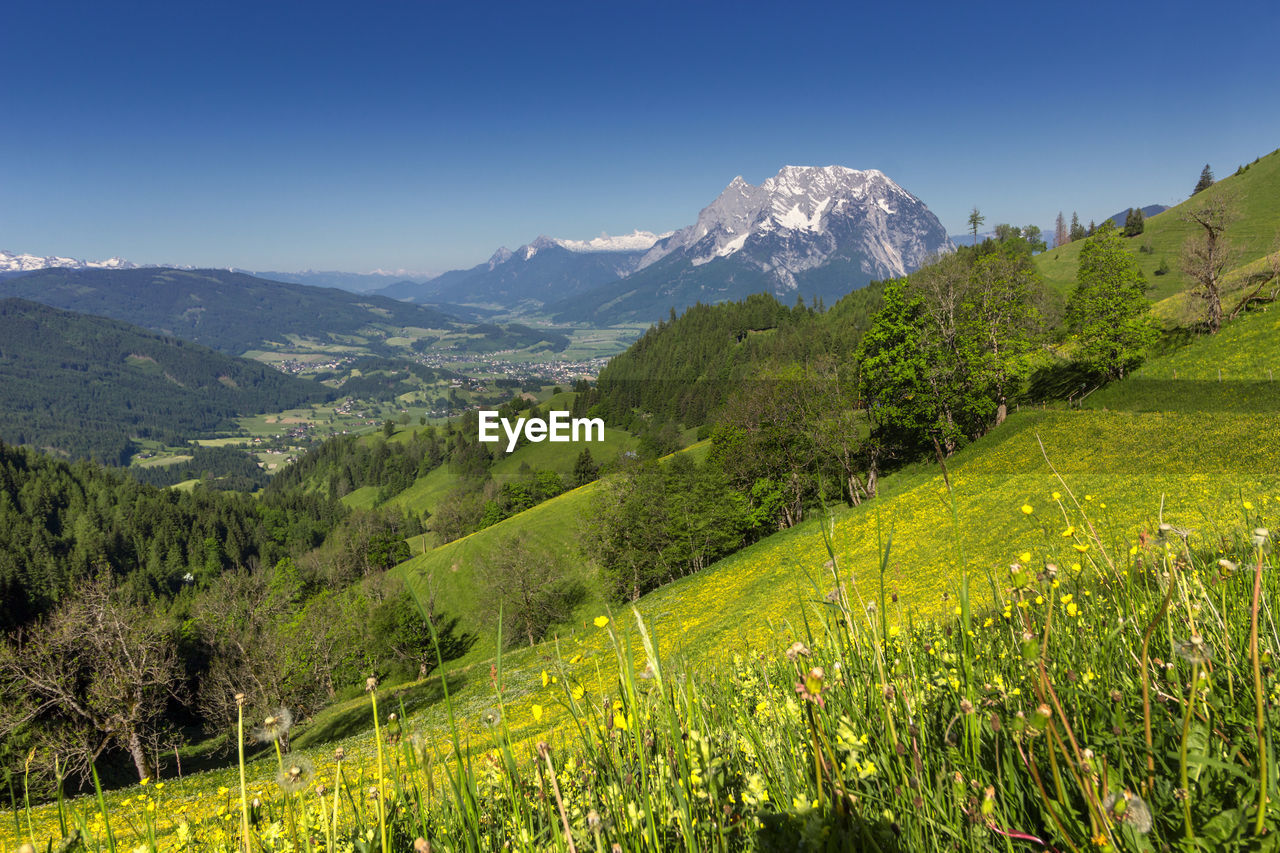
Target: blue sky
x,y
421,136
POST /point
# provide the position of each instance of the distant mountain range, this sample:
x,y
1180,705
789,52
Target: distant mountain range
x,y
535,274
817,232
227,311
813,232
12,263
356,282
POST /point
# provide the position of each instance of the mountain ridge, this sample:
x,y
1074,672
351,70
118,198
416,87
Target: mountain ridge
x,y
227,311
816,231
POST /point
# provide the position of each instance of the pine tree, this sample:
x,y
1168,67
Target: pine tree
x,y
1133,222
1206,180
1077,230
975,221
1060,234
585,469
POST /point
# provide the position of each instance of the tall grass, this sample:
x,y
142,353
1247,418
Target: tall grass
x,y
1121,694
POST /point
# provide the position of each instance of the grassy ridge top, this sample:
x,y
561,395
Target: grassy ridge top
x,y
1256,195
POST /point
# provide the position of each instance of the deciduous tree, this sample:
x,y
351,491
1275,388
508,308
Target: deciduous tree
x,y
1108,309
93,677
1207,255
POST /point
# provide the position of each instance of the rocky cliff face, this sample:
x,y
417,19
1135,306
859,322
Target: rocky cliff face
x,y
805,217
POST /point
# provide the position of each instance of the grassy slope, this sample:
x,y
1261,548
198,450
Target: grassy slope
x,y
427,491
1254,233
1121,466
1234,371
1200,465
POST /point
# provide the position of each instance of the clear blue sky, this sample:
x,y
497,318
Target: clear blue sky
x,y
422,135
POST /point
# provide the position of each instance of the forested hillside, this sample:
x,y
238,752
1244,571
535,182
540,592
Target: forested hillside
x,y
228,311
61,522
88,386
685,368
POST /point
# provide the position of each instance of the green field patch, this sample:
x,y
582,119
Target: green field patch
x,y
161,461
1252,235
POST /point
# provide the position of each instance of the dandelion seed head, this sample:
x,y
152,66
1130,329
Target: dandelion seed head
x,y
1128,807
1193,651
274,726
295,773
490,717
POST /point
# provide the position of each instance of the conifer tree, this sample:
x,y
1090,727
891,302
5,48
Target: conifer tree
x,y
1077,230
1206,180
1060,234
1133,222
975,221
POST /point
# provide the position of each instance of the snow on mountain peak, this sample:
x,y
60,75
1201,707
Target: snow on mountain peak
x,y
500,257
636,241
10,262
802,205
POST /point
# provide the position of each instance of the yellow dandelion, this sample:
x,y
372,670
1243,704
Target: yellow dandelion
x,y
1025,557
1057,496
546,679
1026,509
601,621
1248,505
1069,532
537,713
1081,546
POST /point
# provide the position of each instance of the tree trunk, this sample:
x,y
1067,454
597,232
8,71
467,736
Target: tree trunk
x,y
139,756
1002,412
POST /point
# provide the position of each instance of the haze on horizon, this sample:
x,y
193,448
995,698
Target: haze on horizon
x,y
420,137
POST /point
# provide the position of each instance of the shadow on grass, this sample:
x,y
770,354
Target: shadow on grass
x,y
814,831
352,717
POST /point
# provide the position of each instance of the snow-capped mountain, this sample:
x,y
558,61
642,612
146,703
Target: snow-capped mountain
x,y
9,262
545,270
811,231
636,241
805,215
